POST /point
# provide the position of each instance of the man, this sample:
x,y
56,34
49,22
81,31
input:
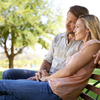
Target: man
x,y
63,46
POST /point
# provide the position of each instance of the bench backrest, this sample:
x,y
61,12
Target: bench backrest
x,y
93,87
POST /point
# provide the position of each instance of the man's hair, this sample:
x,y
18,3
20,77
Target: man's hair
x,y
78,10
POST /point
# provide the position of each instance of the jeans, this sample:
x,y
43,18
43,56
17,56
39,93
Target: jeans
x,y
26,90
17,74
23,89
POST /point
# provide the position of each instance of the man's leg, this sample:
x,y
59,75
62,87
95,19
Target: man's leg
x,y
17,74
25,90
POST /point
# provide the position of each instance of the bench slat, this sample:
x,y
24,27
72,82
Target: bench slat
x,y
98,66
93,89
96,77
86,97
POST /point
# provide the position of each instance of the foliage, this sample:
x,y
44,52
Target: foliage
x,y
24,24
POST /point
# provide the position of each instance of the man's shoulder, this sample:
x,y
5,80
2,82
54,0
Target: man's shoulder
x,y
60,35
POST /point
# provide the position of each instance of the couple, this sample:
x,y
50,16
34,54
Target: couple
x,y
65,81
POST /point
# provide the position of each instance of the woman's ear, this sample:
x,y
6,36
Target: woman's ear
x,y
87,30
88,35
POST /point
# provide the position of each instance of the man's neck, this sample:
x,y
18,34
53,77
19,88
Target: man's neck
x,y
70,37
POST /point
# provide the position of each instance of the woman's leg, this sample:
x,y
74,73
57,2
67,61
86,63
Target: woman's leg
x,y
26,90
17,74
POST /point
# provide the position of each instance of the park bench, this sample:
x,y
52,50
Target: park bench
x,y
93,87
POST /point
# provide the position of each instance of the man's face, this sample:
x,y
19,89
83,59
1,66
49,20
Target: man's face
x,y
70,23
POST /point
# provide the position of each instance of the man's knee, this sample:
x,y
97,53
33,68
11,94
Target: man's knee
x,y
6,74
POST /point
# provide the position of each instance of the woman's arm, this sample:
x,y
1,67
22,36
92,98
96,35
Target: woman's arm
x,y
80,61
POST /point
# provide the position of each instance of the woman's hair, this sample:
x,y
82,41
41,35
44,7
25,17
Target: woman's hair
x,y
78,10
93,24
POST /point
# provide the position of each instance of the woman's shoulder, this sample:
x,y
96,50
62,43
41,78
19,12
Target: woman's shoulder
x,y
93,42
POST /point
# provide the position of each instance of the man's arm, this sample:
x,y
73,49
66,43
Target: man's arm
x,y
45,66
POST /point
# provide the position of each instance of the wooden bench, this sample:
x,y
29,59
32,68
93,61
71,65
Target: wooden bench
x,y
92,88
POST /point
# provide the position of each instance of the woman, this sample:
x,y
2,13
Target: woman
x,y
72,79
79,67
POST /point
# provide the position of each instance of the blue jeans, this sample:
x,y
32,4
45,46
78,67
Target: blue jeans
x,y
18,74
26,90
14,89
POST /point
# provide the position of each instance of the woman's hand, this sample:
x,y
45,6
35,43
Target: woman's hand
x,y
44,79
97,57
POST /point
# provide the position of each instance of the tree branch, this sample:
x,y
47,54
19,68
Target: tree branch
x,y
19,51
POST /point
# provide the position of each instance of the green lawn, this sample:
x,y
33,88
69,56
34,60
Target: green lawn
x,y
96,71
1,74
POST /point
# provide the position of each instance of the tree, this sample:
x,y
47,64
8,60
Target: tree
x,y
26,23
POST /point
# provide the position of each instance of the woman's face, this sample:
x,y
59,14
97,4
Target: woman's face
x,y
80,30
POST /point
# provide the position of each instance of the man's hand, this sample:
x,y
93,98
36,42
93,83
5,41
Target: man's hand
x,y
32,78
44,77
97,57
36,77
39,75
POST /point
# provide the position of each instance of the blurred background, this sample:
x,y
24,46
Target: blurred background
x,y
27,28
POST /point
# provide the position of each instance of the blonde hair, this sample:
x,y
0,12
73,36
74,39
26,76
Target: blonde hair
x,y
93,24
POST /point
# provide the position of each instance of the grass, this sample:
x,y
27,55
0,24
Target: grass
x,y
1,74
91,81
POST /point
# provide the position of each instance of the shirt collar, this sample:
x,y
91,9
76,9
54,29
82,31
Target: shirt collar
x,y
65,36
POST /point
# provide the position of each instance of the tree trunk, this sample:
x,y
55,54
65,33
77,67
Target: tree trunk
x,y
11,59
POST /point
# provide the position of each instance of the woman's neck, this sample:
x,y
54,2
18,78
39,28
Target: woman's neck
x,y
84,41
87,38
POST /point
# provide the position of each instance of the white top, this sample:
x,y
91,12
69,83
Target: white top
x,y
60,51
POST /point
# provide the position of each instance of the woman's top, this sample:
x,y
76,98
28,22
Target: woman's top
x,y
69,88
